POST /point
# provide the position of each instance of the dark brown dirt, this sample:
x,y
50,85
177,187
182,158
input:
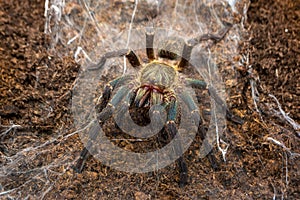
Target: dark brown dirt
x,y
35,89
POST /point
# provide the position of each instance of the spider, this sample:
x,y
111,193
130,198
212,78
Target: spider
x,y
157,85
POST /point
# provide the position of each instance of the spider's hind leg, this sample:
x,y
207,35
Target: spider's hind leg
x,y
215,37
190,44
130,55
149,43
186,54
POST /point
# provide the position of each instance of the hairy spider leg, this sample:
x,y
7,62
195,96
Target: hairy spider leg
x,y
200,85
109,88
229,115
186,55
192,106
149,43
157,113
190,44
126,103
193,109
130,55
85,153
171,129
196,83
215,37
105,114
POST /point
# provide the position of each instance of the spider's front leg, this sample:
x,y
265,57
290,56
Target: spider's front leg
x,y
105,111
112,85
172,131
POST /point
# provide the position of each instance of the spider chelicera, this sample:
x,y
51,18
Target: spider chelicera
x,y
156,85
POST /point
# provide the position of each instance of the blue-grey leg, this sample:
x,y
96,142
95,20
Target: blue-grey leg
x,y
85,153
192,106
172,131
112,85
124,106
229,115
193,109
199,84
195,83
157,113
103,116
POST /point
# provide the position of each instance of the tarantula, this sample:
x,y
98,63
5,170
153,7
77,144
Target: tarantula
x,y
157,78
